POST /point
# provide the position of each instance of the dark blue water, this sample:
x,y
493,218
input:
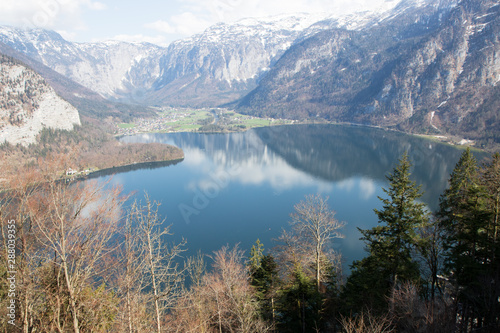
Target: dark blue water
x,y
240,187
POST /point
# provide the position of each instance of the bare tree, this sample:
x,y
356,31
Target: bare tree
x,y
76,224
410,313
223,301
196,268
56,225
315,225
430,251
367,323
130,279
161,269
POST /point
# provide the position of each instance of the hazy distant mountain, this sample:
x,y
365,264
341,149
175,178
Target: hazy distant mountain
x,y
112,69
228,60
217,66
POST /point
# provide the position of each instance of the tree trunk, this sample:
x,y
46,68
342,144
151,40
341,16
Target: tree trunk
x,y
218,312
153,280
303,308
317,265
272,306
129,311
76,325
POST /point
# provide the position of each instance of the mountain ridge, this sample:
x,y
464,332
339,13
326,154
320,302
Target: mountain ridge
x,y
88,102
415,67
404,76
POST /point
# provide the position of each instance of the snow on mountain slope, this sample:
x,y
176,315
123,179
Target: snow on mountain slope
x,y
109,68
221,64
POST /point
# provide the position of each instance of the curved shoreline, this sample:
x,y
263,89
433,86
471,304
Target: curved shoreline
x,y
126,168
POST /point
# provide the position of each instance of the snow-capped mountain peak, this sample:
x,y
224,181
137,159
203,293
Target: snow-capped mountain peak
x,y
213,67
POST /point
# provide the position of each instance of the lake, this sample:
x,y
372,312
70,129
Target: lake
x,y
240,187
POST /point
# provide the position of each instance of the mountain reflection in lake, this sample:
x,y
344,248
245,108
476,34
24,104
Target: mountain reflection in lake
x,y
235,188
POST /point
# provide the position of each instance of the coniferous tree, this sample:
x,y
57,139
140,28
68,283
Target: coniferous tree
x,y
390,243
457,213
264,278
490,179
469,216
300,304
256,254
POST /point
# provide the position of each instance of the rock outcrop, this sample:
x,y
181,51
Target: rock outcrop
x,y
28,104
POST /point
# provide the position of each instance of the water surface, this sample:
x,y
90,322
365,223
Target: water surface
x,y
238,187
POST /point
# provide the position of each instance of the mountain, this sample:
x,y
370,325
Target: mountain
x,y
226,61
89,103
28,104
431,67
427,66
217,66
113,69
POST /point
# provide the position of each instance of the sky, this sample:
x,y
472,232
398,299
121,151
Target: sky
x,y
156,21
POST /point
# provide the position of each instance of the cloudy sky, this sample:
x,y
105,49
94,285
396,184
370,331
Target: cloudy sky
x,y
156,21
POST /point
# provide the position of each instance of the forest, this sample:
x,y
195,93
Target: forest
x,y
89,146
81,257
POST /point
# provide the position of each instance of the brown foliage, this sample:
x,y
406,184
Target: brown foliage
x,y
314,227
88,146
367,323
412,314
224,300
63,237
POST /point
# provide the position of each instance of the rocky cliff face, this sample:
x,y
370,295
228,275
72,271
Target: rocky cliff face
x,y
438,74
28,104
217,66
88,102
225,61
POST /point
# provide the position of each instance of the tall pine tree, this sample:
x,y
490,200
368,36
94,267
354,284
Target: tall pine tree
x,y
469,216
390,243
394,238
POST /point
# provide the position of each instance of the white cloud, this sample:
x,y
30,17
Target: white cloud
x,y
68,35
63,14
346,184
230,10
161,26
96,5
185,24
197,15
184,18
367,188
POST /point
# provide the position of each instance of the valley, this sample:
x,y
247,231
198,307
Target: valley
x,y
332,169
411,68
218,120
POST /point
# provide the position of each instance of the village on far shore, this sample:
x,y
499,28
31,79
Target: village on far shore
x,y
170,120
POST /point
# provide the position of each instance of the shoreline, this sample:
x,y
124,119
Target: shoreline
x,y
130,167
444,139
